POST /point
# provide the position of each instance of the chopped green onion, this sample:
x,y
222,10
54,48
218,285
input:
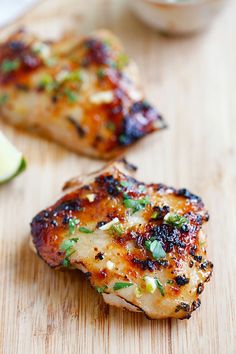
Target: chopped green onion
x,y
175,220
111,126
101,73
75,76
101,289
125,184
71,96
122,61
121,285
135,205
65,75
3,99
72,225
85,230
160,287
141,188
123,139
42,49
138,292
150,284
8,65
155,215
67,244
117,229
102,97
66,262
48,83
91,197
155,247
109,224
110,265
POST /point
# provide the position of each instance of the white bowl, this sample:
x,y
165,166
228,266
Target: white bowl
x,y
177,16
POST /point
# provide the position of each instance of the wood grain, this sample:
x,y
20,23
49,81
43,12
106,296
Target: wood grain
x,y
193,82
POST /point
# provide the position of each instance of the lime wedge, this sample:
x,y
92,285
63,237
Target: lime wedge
x,y
12,161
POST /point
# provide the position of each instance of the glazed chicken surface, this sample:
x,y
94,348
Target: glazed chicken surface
x,y
82,93
141,245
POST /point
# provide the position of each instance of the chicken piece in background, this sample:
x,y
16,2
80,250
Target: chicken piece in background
x,y
82,93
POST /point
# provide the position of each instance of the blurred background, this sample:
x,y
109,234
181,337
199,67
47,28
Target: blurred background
x,y
13,8
169,16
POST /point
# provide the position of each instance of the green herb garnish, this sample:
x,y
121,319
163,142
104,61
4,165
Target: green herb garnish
x,y
66,262
160,287
72,225
121,285
71,96
123,139
64,75
3,99
135,205
155,247
117,229
122,61
175,220
101,289
67,246
85,230
101,73
141,188
48,83
8,65
125,184
169,281
138,292
75,76
155,215
111,126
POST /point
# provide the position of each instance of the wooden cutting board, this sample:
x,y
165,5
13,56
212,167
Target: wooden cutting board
x,y
193,83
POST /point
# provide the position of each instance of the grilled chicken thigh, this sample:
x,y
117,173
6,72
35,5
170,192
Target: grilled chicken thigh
x,y
141,245
84,94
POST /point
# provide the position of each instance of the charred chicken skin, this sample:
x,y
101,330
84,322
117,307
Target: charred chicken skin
x,y
82,93
141,245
